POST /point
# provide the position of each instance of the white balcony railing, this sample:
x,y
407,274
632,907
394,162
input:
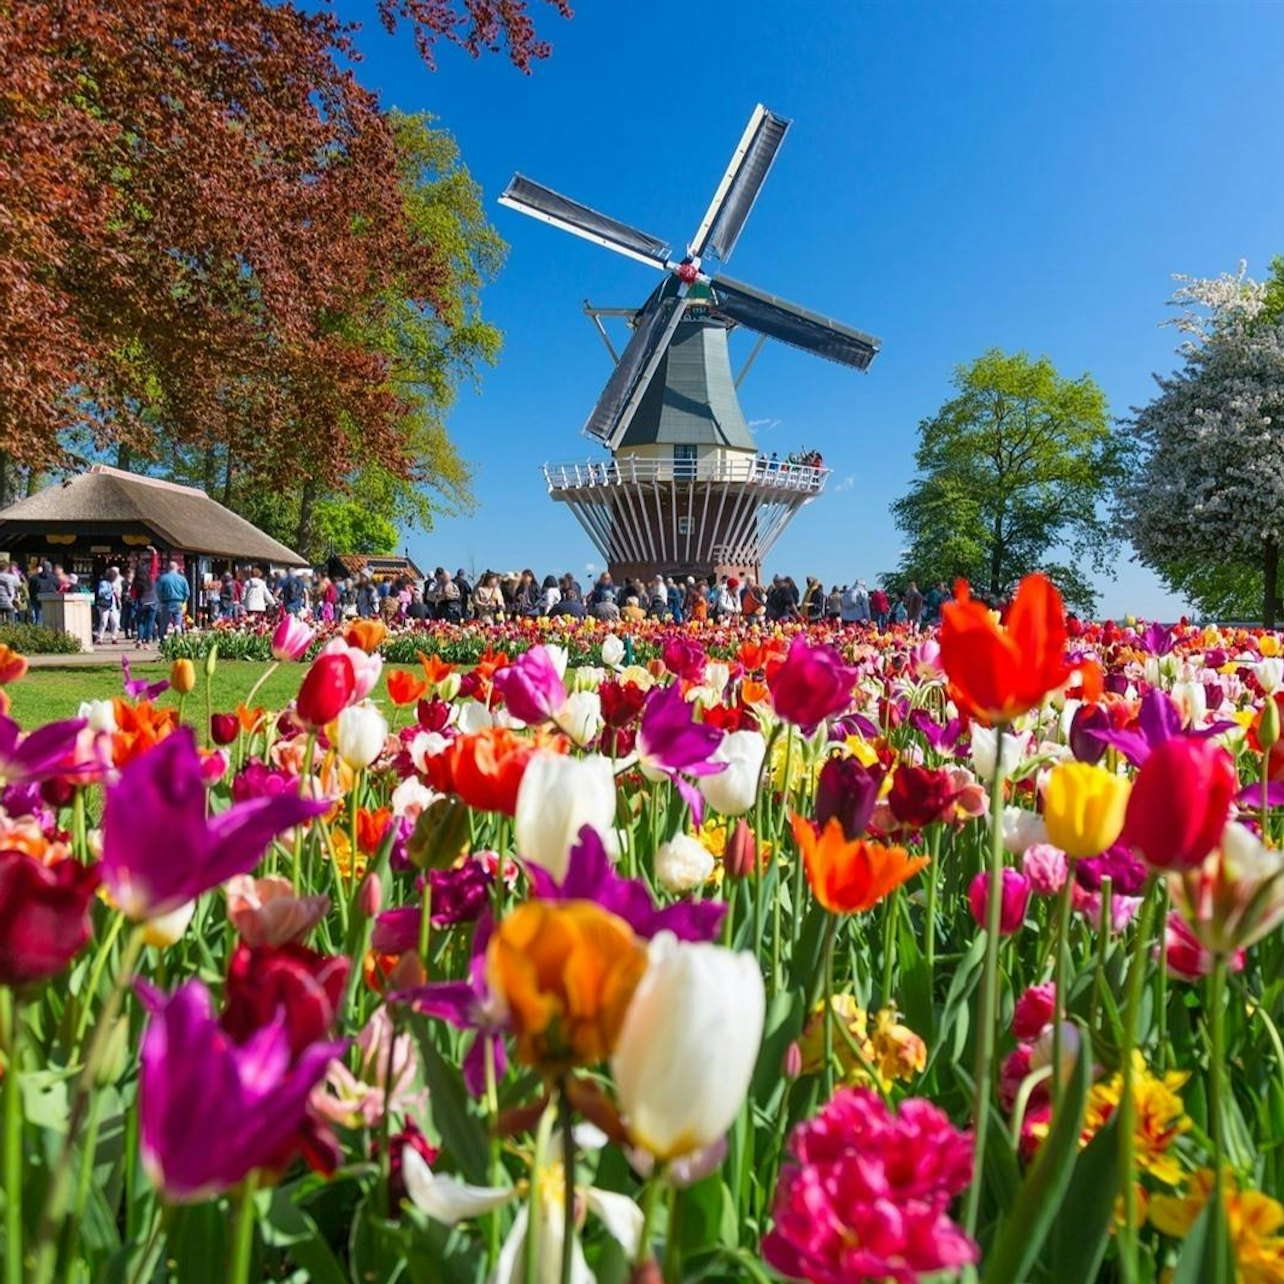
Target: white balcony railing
x,y
770,475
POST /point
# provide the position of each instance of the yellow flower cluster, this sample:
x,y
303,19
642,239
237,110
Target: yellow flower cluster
x,y
1161,1117
891,1050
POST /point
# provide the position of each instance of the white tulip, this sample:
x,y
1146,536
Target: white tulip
x,y
732,790
559,656
448,687
99,715
411,797
168,929
688,1046
472,716
361,732
1022,829
558,796
581,716
1192,700
425,745
612,651
1041,1049
683,863
1269,673
586,677
983,752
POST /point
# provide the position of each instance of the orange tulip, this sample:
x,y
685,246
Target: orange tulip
x,y
998,671
566,972
403,687
484,769
12,665
366,634
435,668
849,876
139,727
371,827
250,719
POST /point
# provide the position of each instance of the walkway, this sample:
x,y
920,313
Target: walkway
x,y
104,656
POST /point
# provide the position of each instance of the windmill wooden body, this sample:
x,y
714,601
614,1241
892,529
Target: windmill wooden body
x,y
684,489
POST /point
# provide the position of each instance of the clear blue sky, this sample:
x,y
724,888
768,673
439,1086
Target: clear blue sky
x,y
958,176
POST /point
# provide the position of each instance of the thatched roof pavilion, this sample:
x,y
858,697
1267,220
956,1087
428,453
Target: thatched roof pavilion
x,y
109,514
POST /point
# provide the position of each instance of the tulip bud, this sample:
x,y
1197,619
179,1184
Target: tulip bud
x,y
224,728
1268,728
361,732
115,1054
439,835
57,791
211,660
682,864
370,897
182,676
792,1062
740,856
1014,897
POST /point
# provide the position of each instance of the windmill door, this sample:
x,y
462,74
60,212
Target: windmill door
x,y
684,462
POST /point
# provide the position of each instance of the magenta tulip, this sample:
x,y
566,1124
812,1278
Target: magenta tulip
x,y
811,684
1015,896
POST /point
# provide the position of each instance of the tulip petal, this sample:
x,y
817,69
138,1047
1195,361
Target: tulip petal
x,y
445,1198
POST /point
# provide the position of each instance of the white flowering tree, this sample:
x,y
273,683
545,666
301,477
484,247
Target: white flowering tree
x,y
1205,504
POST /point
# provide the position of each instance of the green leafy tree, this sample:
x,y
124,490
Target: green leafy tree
x,y
1013,471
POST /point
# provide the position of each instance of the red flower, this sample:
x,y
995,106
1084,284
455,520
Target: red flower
x,y
997,671
621,703
327,688
1180,802
224,728
403,687
847,790
920,795
291,979
810,684
44,915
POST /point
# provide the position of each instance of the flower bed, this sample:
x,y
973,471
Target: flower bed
x,y
689,953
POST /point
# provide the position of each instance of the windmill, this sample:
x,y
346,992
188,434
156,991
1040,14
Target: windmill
x,y
685,490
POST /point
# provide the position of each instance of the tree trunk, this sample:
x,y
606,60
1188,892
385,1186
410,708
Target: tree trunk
x,y
1270,574
996,561
123,457
34,477
307,500
4,478
209,462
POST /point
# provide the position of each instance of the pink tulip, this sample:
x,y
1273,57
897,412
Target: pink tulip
x,y
1015,897
291,639
265,911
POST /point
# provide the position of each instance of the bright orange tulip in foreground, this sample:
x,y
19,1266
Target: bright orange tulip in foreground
x,y
851,875
999,671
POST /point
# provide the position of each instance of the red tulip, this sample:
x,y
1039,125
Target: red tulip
x,y
327,689
44,915
290,980
224,728
920,795
811,684
1180,802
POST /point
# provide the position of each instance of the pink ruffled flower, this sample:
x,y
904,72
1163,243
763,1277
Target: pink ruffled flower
x,y
265,911
865,1194
1045,866
1016,1065
1033,1011
358,1100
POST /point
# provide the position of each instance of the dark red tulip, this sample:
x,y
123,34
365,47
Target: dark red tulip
x,y
327,688
920,795
44,915
847,790
305,986
1180,802
224,728
1086,747
621,703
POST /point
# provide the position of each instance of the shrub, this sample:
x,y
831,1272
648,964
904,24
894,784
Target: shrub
x,y
36,639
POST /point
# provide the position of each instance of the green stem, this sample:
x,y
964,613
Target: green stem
x,y
1216,1093
14,1260
539,1163
933,875
1127,1111
1161,983
1103,949
305,778
650,1202
566,1121
96,976
254,690
673,1240
989,1000
891,909
425,919
1060,972
243,1241
827,1016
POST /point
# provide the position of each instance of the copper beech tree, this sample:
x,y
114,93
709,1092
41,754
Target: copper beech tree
x,y
204,228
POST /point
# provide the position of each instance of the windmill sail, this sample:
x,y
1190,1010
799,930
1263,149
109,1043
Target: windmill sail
x,y
551,207
779,319
651,334
740,185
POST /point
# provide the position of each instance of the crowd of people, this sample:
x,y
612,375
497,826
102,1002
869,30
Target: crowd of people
x,y
145,601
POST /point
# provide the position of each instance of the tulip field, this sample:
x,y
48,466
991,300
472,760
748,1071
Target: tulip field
x,y
708,952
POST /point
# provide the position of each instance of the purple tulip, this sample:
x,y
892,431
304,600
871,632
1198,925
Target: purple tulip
x,y
531,686
211,1112
47,751
140,688
590,876
159,849
1158,720
1086,745
1127,872
458,896
672,743
848,790
684,658
1157,639
811,684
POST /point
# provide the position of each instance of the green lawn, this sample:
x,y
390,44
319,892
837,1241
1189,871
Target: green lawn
x,y
47,694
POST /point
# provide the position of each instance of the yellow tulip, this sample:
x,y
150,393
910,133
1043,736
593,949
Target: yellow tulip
x,y
1083,808
182,677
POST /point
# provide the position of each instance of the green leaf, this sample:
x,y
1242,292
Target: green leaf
x,y
286,1226
966,975
452,1108
1028,1221
915,986
783,1025
1080,1232
1198,1263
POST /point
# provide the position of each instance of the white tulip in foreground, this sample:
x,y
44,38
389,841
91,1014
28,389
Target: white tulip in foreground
x,y
733,790
684,1058
360,733
558,796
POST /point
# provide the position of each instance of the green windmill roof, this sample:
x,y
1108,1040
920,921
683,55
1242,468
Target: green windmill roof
x,y
692,397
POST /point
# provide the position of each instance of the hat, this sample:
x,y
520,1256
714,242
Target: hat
x,y
73,579
733,582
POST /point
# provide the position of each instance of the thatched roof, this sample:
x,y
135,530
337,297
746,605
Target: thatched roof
x,y
181,518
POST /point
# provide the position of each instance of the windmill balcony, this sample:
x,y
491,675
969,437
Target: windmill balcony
x,y
767,477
